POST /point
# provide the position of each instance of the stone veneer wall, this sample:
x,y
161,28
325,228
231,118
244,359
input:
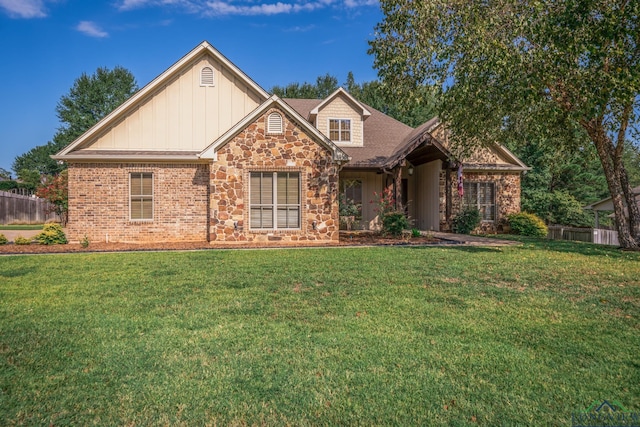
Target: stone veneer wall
x,y
507,197
99,203
254,150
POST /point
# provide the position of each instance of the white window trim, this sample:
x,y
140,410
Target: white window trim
x,y
153,204
341,141
275,202
213,77
278,131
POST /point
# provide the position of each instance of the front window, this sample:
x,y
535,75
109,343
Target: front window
x,y
141,196
275,200
481,195
351,198
340,130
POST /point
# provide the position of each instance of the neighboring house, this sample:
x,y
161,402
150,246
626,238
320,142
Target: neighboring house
x,y
606,205
202,153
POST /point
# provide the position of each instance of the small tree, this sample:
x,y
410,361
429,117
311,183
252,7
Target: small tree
x,y
391,215
56,191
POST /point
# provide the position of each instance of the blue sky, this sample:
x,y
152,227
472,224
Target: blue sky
x,y
46,44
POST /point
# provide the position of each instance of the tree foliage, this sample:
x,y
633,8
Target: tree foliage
x,y
56,191
90,99
566,71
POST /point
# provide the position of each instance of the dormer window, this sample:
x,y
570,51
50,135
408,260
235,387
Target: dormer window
x,y
275,124
340,130
206,76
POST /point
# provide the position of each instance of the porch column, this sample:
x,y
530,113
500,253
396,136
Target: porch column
x,y
397,183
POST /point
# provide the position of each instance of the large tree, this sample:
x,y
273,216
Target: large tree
x,y
565,70
90,99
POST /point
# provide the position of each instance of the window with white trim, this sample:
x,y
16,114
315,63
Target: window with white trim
x,y
141,196
274,200
340,130
206,76
275,124
481,195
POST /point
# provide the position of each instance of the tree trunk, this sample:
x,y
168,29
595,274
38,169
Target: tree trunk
x,y
618,182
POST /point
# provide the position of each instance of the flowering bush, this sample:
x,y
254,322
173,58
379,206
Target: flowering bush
x,y
392,217
56,191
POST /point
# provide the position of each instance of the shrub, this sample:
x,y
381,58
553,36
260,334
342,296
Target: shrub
x,y
52,234
415,233
3,239
527,224
394,223
84,242
22,241
466,221
392,216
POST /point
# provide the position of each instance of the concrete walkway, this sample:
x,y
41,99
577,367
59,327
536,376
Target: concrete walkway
x,y
12,234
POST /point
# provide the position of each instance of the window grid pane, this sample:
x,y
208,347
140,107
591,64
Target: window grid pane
x,y
481,195
141,196
286,205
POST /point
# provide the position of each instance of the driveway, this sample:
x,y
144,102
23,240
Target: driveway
x,y
12,234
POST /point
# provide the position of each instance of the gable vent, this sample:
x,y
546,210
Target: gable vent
x,y
206,76
274,123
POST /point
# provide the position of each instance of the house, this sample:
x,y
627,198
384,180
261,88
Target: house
x,y
203,153
606,205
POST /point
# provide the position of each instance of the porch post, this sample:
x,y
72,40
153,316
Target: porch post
x,y
397,183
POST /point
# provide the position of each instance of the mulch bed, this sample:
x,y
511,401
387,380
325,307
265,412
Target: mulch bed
x,y
347,238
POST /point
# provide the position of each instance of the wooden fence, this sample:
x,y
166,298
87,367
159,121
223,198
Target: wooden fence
x,y
18,209
591,235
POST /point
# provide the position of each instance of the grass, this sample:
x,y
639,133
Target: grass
x,y
367,336
22,227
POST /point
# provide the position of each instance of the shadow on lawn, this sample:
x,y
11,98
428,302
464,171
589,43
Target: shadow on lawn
x,y
582,248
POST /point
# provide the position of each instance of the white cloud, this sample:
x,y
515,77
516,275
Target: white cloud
x,y
244,7
91,29
24,8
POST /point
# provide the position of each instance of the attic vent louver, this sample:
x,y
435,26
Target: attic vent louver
x,y
206,76
274,123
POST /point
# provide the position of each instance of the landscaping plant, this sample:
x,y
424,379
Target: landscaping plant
x,y
466,221
392,216
22,241
52,234
527,224
3,239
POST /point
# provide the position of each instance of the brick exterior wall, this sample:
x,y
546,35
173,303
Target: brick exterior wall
x,y
253,150
507,197
99,203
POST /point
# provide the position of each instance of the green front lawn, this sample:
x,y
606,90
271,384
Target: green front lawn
x,y
22,227
368,336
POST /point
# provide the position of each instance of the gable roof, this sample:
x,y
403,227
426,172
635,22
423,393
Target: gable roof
x,y
210,152
203,48
340,92
382,134
607,204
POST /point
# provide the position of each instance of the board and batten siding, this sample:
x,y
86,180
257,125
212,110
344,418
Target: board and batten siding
x,y
183,115
426,196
